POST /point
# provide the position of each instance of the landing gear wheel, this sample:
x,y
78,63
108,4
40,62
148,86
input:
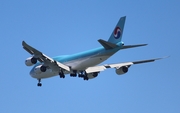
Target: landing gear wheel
x,y
39,84
73,75
61,74
86,78
80,75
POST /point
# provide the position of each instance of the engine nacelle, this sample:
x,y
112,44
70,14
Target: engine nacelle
x,y
40,69
30,61
92,75
122,70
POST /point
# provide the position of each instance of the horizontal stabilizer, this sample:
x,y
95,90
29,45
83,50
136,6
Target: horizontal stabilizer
x,y
107,45
132,46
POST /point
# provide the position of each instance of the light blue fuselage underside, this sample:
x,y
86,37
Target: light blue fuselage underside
x,y
79,61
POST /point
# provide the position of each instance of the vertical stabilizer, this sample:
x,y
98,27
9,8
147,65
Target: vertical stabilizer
x,y
117,33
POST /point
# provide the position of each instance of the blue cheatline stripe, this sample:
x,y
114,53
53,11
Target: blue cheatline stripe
x,y
97,51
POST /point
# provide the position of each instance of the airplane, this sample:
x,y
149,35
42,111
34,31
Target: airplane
x,y
83,64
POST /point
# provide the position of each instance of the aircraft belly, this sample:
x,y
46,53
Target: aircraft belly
x,y
82,64
47,74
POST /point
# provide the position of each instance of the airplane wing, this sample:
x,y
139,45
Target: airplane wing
x,y
118,65
53,64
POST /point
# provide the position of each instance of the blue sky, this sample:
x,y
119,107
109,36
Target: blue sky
x,y
66,27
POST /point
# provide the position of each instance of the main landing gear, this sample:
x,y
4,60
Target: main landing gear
x,y
61,74
74,74
83,75
86,78
39,83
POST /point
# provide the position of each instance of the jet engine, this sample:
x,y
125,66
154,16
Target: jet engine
x,y
40,69
122,70
91,75
30,61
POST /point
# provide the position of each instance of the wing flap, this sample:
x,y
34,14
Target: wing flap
x,y
95,69
63,66
120,64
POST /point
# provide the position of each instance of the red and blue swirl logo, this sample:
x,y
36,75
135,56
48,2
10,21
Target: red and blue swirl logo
x,y
117,32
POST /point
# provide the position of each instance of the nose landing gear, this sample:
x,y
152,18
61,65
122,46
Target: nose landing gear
x,y
39,83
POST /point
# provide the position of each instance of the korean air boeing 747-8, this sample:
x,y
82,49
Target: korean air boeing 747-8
x,y
83,64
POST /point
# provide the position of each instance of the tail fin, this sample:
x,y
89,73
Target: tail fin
x,y
116,35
